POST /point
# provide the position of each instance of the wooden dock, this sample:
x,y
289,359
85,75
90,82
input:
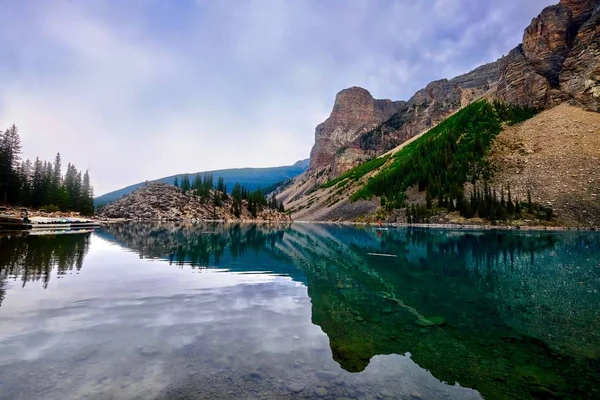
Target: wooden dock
x,y
44,224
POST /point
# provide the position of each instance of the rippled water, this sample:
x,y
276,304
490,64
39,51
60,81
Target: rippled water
x,y
166,311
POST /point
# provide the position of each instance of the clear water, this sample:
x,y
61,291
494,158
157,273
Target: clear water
x,y
165,311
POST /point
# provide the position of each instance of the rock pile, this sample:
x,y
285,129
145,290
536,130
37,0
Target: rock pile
x,y
163,202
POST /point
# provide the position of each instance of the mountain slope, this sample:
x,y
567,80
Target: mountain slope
x,y
554,155
251,178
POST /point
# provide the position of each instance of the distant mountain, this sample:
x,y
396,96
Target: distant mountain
x,y
302,163
251,178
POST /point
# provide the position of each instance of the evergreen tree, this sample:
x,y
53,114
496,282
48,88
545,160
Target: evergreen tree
x,y
87,196
25,180
509,206
37,184
10,149
236,205
40,184
185,182
197,184
176,182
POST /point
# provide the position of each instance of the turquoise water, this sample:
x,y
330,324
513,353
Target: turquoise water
x,y
167,311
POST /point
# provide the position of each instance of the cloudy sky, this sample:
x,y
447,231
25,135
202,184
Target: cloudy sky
x,y
141,89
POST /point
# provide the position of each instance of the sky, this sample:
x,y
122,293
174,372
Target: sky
x,y
141,89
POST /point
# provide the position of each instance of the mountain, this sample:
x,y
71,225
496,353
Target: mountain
x,y
251,178
361,127
558,61
365,140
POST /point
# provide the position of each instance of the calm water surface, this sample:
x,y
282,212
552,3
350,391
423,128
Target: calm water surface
x,y
166,311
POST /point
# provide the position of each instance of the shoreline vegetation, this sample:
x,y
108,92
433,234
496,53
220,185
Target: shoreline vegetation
x,y
41,185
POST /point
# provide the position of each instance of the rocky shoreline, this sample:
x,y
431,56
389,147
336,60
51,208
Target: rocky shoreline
x,y
461,227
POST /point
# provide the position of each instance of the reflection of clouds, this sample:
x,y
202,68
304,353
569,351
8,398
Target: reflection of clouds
x,y
128,328
98,329
136,348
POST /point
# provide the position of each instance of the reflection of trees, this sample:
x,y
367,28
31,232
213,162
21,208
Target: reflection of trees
x,y
196,245
32,258
496,292
519,324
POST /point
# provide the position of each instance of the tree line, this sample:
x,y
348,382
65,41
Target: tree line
x,y
41,184
203,186
484,203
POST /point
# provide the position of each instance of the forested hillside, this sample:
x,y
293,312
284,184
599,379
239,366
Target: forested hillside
x,y
41,184
445,159
443,172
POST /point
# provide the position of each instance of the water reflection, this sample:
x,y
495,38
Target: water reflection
x,y
33,258
509,315
519,310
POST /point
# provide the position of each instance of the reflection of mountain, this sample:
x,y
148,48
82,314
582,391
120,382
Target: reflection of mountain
x,y
506,299
236,247
32,258
520,310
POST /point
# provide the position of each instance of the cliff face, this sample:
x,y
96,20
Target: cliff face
x,y
354,113
360,126
559,59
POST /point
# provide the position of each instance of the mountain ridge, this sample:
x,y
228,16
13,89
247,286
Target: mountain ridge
x,y
249,177
557,61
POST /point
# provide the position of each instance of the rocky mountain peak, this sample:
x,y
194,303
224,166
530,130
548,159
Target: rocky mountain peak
x,y
354,112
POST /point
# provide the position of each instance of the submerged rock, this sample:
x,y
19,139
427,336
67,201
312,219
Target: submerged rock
x,y
431,321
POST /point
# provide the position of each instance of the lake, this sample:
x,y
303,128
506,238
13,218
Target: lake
x,y
219,311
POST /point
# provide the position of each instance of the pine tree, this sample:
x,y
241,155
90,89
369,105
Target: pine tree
x,y
236,205
39,184
10,149
529,203
185,183
25,179
509,205
86,196
176,182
